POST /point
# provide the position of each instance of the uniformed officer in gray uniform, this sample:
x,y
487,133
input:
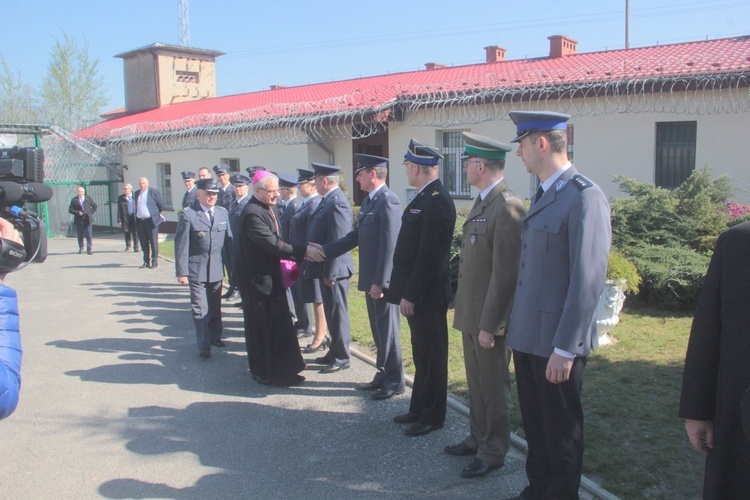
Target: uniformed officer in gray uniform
x,y
305,290
189,197
375,232
329,222
564,249
202,232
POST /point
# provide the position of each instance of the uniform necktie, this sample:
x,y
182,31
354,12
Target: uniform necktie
x,y
478,201
211,216
539,194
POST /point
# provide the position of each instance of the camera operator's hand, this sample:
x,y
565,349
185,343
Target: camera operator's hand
x,y
8,232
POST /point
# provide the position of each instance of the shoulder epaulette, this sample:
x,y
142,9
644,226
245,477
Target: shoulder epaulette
x,y
581,182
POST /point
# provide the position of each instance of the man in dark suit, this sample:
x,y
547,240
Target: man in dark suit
x,y
375,233
272,348
83,207
148,207
188,178
241,185
715,399
486,282
420,285
552,328
126,217
330,221
202,232
306,290
226,196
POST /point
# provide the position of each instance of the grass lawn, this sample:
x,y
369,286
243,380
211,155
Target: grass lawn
x,y
636,446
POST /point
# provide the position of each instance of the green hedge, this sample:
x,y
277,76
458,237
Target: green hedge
x,y
672,276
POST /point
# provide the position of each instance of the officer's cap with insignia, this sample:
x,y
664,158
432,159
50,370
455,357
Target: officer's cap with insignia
x,y
221,169
286,180
323,170
304,175
188,175
240,179
480,146
369,161
210,185
251,171
422,154
528,122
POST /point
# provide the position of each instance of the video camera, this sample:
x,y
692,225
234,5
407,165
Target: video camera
x,y
21,180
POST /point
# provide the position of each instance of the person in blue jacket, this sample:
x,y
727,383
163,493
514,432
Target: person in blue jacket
x,y
10,337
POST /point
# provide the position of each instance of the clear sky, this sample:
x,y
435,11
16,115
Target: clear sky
x,y
295,42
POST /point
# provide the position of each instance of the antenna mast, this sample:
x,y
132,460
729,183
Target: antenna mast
x,y
184,23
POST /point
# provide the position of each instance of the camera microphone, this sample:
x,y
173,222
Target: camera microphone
x,y
34,192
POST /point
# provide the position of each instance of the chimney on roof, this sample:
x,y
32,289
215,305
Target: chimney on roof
x,y
432,65
278,87
495,53
561,46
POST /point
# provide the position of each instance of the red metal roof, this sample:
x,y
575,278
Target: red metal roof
x,y
727,55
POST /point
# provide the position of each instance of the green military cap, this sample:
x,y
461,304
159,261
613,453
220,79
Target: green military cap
x,y
480,146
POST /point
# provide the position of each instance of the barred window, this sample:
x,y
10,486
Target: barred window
x,y
675,153
164,179
452,174
234,164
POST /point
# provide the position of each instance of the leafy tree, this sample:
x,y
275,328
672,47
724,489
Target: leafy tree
x,y
16,97
73,89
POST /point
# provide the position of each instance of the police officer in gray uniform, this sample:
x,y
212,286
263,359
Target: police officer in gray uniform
x,y
202,232
375,232
189,197
305,290
329,222
564,248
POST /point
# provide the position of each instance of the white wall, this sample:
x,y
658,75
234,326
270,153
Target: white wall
x,y
605,146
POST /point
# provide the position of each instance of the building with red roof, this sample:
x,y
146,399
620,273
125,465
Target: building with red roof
x,y
652,113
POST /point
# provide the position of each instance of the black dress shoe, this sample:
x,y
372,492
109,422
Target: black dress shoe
x,y
80,251
154,265
324,360
335,367
204,353
386,393
460,450
420,429
372,386
261,380
228,293
145,265
218,343
238,304
89,252
478,468
136,250
406,418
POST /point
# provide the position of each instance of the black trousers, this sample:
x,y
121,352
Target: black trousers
x,y
148,234
553,422
130,234
429,343
84,232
